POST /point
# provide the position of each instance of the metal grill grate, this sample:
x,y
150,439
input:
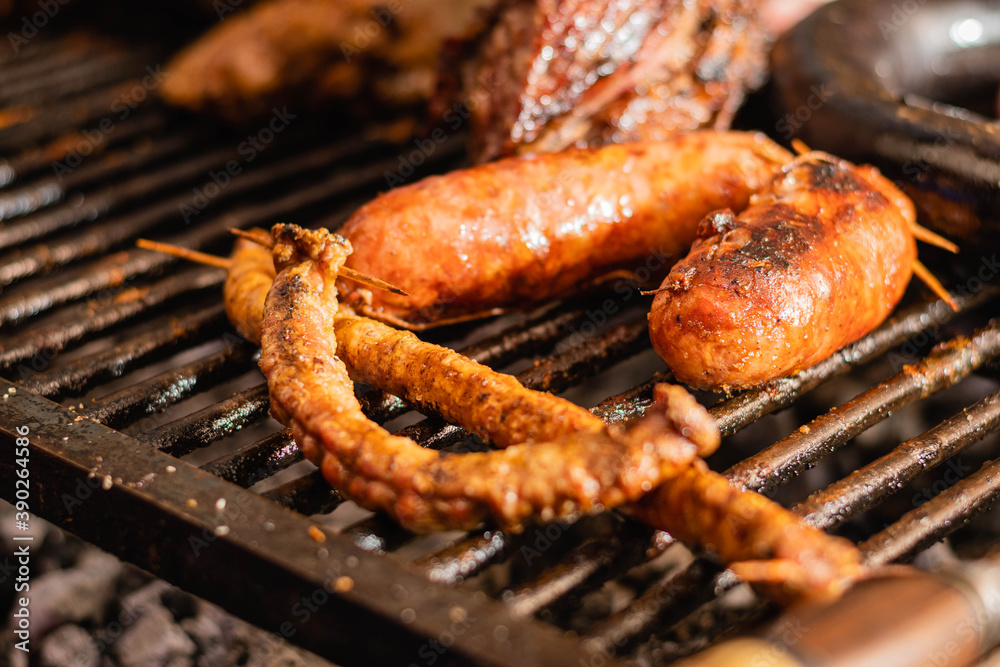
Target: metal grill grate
x,y
140,455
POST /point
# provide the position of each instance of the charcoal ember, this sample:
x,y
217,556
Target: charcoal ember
x,y
154,640
78,595
269,651
59,551
213,632
557,73
180,604
69,645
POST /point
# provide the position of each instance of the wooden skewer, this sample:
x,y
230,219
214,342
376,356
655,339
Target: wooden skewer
x,y
800,147
226,263
256,235
925,275
927,236
185,253
266,240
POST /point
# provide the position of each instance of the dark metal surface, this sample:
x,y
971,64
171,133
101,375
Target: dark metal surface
x,y
873,82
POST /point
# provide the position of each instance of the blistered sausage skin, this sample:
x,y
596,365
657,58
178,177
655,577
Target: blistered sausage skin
x,y
819,259
525,230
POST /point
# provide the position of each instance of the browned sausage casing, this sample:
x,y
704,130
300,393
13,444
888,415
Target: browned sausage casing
x,y
819,259
526,230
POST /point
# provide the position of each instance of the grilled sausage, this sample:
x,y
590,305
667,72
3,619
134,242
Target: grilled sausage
x,y
526,230
819,259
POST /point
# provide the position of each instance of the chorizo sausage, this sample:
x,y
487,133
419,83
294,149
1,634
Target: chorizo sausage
x,y
819,259
525,230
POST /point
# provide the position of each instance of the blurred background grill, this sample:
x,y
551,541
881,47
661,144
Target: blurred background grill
x,y
149,427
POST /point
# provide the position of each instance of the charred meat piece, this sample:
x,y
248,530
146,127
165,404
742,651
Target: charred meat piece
x,y
367,54
556,73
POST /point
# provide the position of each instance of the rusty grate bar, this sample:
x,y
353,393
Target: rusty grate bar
x,y
945,366
256,461
38,158
153,395
97,316
110,271
149,342
666,603
69,116
306,495
586,567
937,518
102,237
466,557
74,78
866,487
378,534
99,204
40,56
189,433
52,190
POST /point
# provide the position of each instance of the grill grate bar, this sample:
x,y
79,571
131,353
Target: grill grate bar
x,y
587,566
189,433
37,57
737,412
69,116
102,237
73,78
306,495
676,596
945,366
150,396
936,519
589,357
664,604
257,461
49,191
869,485
378,534
150,342
102,203
110,271
35,159
466,557
90,318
